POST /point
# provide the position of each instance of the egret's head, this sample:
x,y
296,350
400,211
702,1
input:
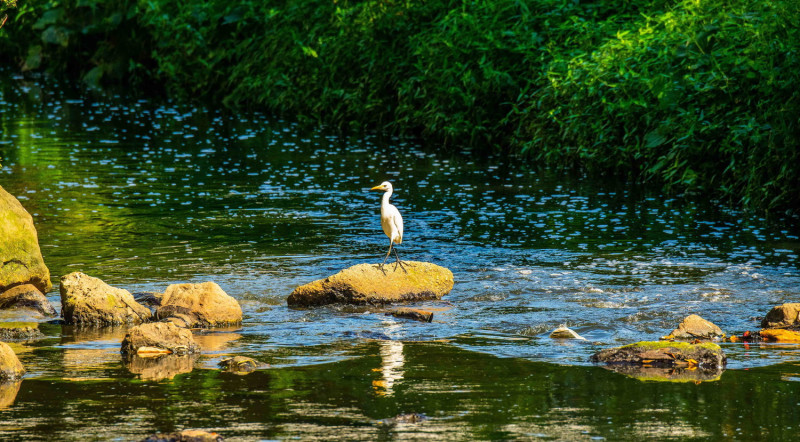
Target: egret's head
x,y
383,187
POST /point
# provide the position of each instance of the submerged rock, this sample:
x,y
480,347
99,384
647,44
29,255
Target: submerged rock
x,y
186,436
10,366
199,305
88,300
412,313
240,365
20,331
159,368
21,259
369,284
782,316
695,327
562,332
665,355
158,335
26,296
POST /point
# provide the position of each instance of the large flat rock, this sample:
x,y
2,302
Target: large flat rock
x,y
665,355
369,284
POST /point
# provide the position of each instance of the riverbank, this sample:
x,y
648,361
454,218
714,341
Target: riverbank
x,y
691,96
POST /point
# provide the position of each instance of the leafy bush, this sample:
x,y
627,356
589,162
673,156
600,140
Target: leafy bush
x,y
690,95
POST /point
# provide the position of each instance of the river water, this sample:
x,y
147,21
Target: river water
x,y
144,193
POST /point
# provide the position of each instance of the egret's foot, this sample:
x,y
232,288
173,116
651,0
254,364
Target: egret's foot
x,y
402,266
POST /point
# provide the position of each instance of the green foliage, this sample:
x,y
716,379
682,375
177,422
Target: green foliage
x,y
691,95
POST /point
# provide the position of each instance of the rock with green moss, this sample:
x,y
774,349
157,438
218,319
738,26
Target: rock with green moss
x,y
370,284
21,260
20,331
90,301
665,354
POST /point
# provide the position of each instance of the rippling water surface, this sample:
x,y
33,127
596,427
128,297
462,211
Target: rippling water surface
x,y
144,193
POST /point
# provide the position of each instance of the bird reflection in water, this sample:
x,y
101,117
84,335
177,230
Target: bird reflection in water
x,y
392,368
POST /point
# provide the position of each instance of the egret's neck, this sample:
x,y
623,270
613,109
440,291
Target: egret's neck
x,y
385,197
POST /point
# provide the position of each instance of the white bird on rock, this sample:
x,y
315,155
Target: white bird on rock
x,y
392,223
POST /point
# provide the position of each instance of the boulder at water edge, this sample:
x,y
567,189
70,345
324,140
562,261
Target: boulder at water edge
x,y
665,354
199,305
369,284
783,316
20,331
26,296
90,301
158,338
10,366
20,258
695,327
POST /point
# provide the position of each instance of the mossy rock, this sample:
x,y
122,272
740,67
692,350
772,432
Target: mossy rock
x,y
20,331
21,259
90,301
370,284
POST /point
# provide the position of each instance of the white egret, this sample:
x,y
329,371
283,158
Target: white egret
x,y
392,223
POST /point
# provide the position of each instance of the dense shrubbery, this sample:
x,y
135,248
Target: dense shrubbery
x,y
693,95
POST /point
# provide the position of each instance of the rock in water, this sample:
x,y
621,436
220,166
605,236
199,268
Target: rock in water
x,y
368,284
695,327
780,335
10,366
562,332
26,296
90,301
159,335
412,313
239,365
783,316
20,258
20,331
665,354
204,305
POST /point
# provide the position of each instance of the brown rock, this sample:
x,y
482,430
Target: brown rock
x,y
695,327
783,316
412,313
20,257
88,300
239,365
159,335
26,296
368,284
203,305
10,366
780,335
664,354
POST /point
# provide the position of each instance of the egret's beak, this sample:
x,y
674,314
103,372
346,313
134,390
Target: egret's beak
x,y
377,188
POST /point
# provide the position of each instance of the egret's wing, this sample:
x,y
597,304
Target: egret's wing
x,y
397,220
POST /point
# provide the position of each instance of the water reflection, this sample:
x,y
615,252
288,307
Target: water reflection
x,y
391,369
8,393
159,368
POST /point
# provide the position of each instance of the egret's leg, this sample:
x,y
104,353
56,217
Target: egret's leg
x,y
387,253
402,266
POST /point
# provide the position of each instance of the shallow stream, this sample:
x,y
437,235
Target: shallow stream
x,y
145,193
